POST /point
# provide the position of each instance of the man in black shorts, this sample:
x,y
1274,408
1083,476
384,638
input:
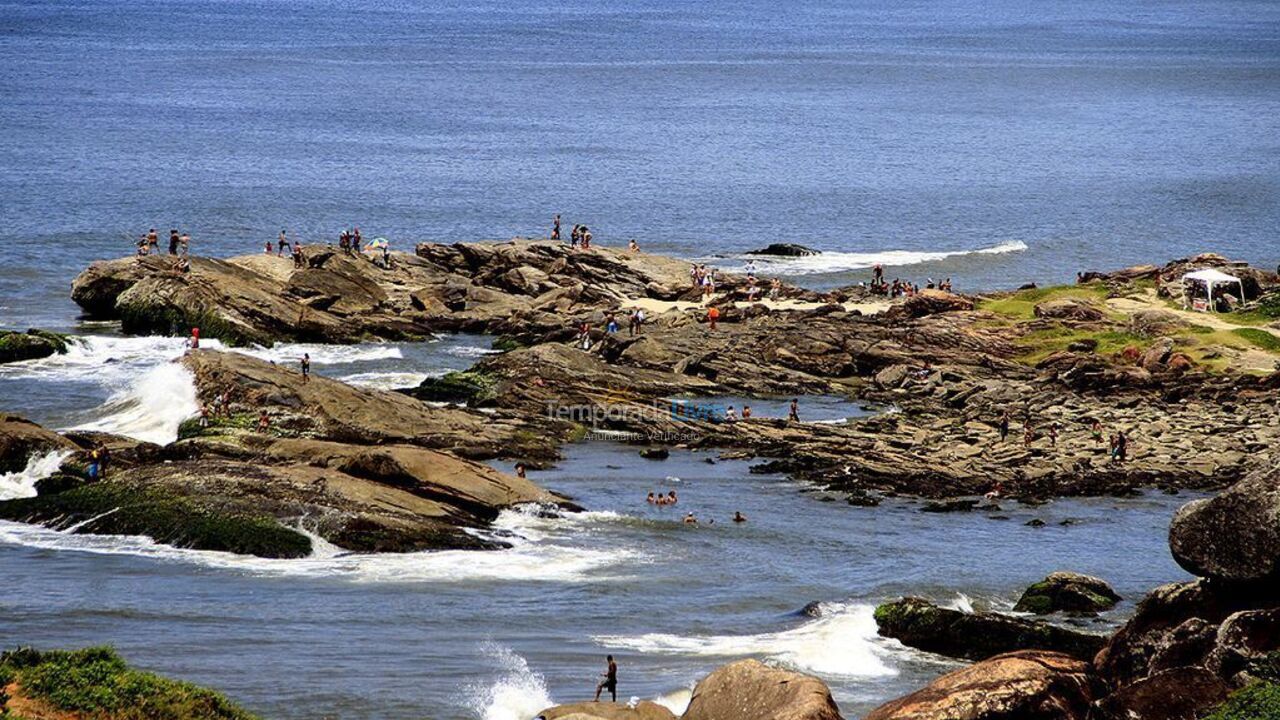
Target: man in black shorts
x,y
610,681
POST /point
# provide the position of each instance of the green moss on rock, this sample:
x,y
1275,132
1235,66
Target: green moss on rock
x,y
97,684
31,345
118,509
473,387
1258,701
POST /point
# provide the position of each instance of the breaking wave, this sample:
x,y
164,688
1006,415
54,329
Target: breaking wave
x,y
151,407
22,484
518,693
842,641
833,262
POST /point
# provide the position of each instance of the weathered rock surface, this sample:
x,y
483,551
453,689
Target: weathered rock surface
x,y
1027,685
1182,692
1235,536
920,624
1069,309
1067,592
30,345
751,690
20,439
644,710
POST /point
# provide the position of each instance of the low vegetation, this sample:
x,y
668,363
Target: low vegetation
x,y
1255,702
96,684
1021,305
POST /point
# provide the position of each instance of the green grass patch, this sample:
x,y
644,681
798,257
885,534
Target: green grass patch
x,y
183,521
1039,344
1257,701
97,683
1021,304
1259,338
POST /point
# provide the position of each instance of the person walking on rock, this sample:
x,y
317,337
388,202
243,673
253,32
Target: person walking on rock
x,y
282,244
306,367
793,414
712,316
555,229
610,681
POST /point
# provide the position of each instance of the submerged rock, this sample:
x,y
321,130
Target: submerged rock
x,y
1029,684
751,690
922,625
1067,592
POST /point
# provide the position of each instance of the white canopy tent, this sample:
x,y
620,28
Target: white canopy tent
x,y
1211,278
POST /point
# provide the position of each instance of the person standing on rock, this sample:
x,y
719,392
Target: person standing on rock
x,y
185,242
153,240
1004,426
282,244
555,229
793,414
297,255
1096,431
610,681
174,241
712,316
355,240
575,235
306,367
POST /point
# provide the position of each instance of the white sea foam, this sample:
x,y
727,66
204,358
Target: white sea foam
x,y
831,262
103,359
151,407
962,603
471,351
387,380
542,551
324,354
842,641
22,484
677,701
517,694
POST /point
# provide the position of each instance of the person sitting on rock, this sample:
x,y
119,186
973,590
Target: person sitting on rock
x,y
775,287
633,246
611,323
264,421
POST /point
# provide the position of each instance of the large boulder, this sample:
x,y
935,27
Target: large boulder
x,y
976,636
1242,639
1026,685
30,345
751,690
930,302
20,439
1068,309
644,710
1157,354
1067,592
1235,536
1184,692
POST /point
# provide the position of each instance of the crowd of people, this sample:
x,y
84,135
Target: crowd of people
x,y
902,288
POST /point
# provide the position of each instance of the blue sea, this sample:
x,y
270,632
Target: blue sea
x,y
1061,136
995,143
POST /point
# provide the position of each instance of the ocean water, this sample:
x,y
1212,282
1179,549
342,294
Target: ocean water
x,y
1073,135
500,635
996,143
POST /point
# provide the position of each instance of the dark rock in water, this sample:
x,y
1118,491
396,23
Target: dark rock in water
x,y
768,692
812,609
785,250
1026,685
1034,522
659,453
1067,592
952,505
862,498
1027,286
56,483
31,345
920,624
709,461
1234,537
1185,692
20,439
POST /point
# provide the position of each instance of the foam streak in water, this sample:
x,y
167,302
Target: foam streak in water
x,y
22,484
842,642
832,262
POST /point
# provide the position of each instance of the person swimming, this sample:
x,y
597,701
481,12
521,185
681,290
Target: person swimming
x,y
689,519
738,517
650,499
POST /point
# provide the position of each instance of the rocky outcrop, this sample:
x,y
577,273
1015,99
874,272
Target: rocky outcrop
x,y
644,710
1030,685
1067,592
1235,536
1068,309
20,439
785,250
30,345
751,690
922,625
